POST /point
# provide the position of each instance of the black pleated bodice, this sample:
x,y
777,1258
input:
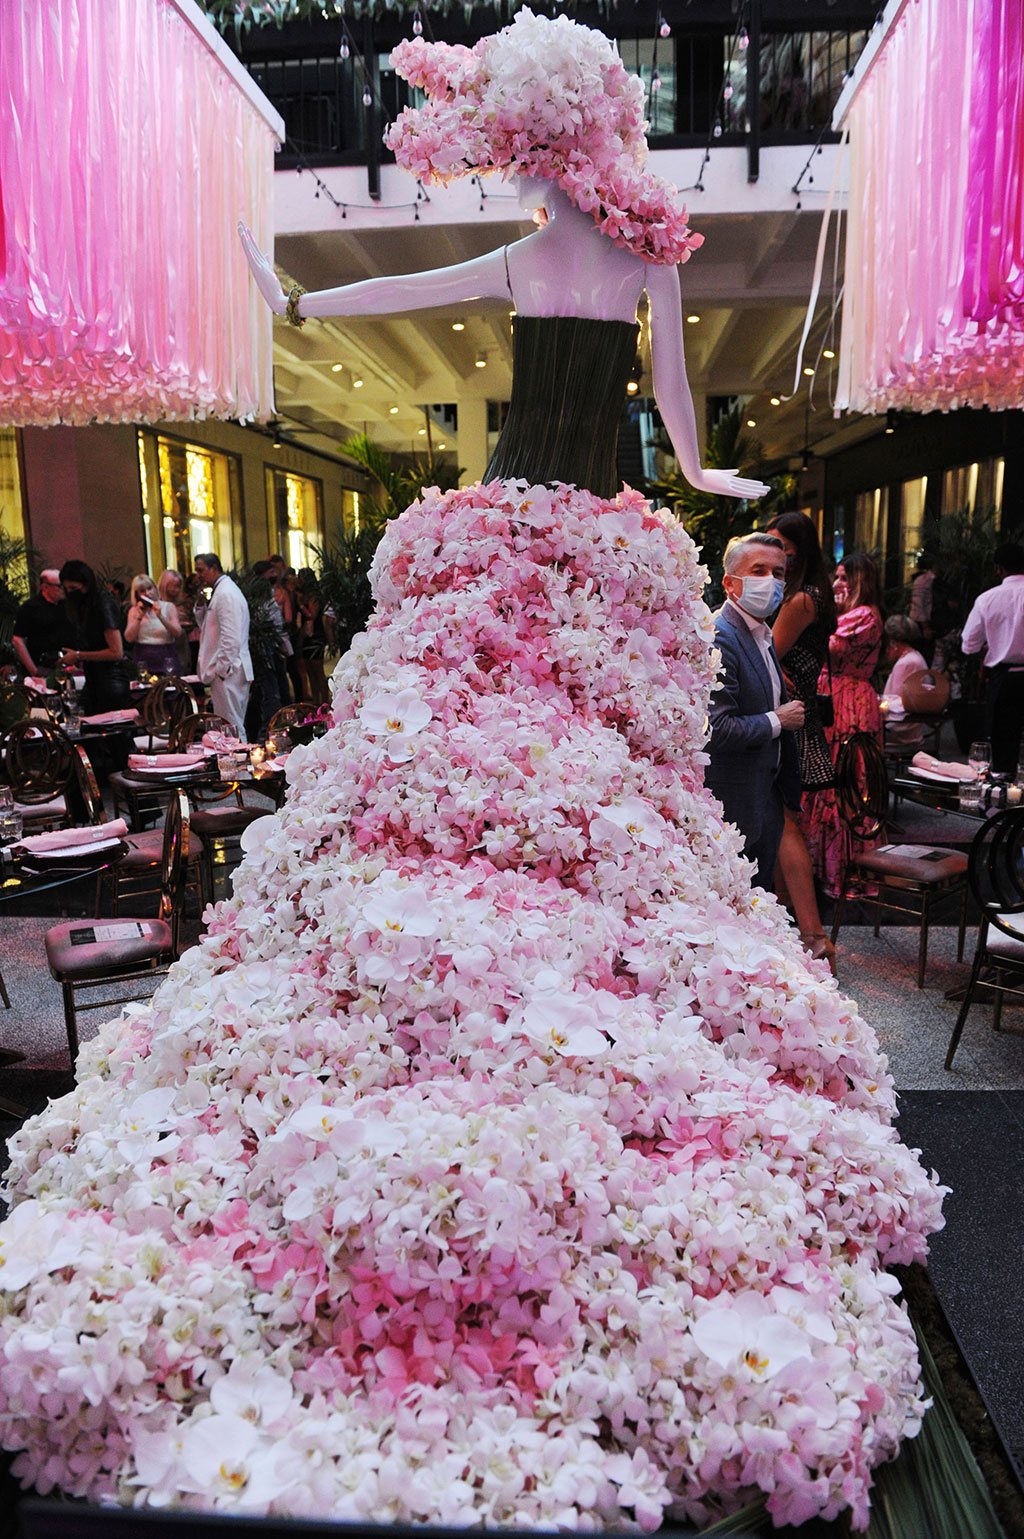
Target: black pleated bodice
x,y
569,377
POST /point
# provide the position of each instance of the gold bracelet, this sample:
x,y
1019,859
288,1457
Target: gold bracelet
x,y
291,309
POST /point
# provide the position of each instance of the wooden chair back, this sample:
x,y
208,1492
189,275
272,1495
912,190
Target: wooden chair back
x,y
36,761
995,870
174,862
862,786
192,729
85,787
160,702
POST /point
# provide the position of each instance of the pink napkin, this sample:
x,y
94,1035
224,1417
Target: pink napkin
x,y
70,838
165,761
222,742
926,761
107,718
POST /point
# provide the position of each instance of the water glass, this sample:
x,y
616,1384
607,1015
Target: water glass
x,y
980,756
10,826
970,795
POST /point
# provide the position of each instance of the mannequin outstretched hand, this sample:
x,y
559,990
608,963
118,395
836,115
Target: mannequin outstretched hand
x,y
267,280
726,483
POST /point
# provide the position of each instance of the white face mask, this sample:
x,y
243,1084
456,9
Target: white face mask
x,y
760,596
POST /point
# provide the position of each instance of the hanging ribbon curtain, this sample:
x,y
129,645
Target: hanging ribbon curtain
x,y
129,149
934,300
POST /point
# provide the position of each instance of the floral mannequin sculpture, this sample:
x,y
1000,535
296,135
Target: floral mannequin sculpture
x,y
497,1156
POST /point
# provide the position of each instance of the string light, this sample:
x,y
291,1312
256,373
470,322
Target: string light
x,y
738,40
664,30
303,168
656,81
417,23
744,40
344,50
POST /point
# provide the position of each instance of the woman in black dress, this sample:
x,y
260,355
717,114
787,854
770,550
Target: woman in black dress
x,y
99,646
800,633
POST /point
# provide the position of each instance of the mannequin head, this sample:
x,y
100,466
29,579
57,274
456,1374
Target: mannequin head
x,y
544,97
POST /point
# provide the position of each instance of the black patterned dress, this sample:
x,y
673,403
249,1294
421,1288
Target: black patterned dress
x,y
803,664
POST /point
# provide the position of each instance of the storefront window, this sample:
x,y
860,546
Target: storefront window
x,y
191,502
295,516
12,511
872,514
351,510
912,524
966,488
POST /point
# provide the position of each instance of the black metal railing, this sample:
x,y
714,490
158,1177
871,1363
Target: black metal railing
x,y
706,83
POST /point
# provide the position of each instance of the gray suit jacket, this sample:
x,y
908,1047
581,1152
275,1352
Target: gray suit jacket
x,y
742,772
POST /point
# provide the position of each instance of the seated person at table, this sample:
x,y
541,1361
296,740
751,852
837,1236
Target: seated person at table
x,y
902,638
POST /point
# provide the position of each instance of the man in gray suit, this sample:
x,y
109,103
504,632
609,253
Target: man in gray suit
x,y
754,766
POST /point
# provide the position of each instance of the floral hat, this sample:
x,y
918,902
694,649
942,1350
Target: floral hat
x,y
543,97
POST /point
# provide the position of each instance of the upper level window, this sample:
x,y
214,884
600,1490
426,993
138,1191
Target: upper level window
x,y
191,502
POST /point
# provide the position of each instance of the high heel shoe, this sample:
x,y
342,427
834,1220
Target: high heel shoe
x,y
819,948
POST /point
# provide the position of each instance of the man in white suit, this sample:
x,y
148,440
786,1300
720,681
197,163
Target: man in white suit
x,y
224,661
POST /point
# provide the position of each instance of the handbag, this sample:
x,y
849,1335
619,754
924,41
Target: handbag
x,y
826,707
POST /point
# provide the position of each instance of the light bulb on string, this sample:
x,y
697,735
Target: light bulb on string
x,y
344,50
655,83
417,23
367,97
716,131
664,30
727,93
743,41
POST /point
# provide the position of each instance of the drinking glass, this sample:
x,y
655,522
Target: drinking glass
x,y
970,793
10,825
980,757
6,799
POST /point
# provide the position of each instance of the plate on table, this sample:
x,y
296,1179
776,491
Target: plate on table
x,y
933,777
182,776
98,853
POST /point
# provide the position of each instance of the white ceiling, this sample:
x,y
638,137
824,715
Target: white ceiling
x,y
749,285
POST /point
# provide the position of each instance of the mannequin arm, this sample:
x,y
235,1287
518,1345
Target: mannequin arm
x,y
672,390
482,278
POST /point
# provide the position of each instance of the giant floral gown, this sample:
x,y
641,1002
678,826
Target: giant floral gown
x,y
497,1155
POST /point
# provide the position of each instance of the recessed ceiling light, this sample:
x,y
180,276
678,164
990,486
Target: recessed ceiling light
x,y
440,446
808,370
423,432
481,360
751,422
829,353
458,325
357,383
393,410
776,400
693,319
336,368
632,386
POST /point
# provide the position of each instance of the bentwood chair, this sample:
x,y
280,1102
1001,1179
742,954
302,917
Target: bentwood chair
x,y
909,879
85,957
996,876
37,763
158,711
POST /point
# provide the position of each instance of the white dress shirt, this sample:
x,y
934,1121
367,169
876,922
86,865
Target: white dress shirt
x,y
996,624
763,641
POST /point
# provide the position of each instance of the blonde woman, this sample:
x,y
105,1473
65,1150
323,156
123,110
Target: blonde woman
x,y
172,590
153,628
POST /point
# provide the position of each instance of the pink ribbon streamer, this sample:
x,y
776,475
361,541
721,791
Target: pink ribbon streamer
x,y
934,295
127,155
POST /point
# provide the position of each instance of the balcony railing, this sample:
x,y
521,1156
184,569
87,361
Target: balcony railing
x,y
707,81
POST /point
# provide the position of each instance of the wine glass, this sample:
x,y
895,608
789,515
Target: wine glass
x,y
980,757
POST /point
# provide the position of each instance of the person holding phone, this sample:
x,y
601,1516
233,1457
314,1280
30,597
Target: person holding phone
x,y
153,628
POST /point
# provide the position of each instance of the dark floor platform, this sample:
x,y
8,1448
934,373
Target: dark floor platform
x,y
975,1139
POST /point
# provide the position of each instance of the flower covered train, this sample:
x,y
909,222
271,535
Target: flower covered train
x,y
497,1155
